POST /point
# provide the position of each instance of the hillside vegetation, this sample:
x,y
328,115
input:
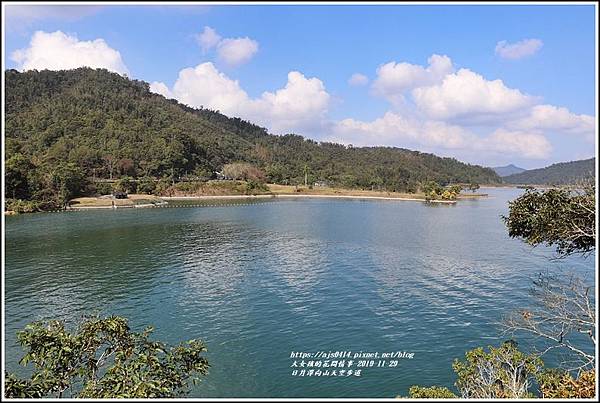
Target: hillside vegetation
x,y
67,129
563,173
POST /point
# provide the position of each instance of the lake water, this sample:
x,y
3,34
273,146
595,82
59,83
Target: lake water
x,y
258,281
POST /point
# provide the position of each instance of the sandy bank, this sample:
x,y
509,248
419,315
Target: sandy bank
x,y
147,201
317,196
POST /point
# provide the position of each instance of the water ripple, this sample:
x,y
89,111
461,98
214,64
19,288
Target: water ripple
x,y
258,281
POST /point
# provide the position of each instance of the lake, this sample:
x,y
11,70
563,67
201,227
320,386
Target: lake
x,y
259,280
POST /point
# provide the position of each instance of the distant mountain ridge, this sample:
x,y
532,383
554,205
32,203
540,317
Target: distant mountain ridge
x,y
508,170
562,173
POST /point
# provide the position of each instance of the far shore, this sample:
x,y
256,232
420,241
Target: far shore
x,y
300,195
91,206
275,191
147,201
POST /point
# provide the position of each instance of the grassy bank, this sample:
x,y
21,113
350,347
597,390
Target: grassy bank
x,y
327,191
107,202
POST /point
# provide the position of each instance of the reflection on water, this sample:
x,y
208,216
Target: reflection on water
x,y
259,280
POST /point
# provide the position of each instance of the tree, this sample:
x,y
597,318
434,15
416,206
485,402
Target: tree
x,y
563,304
450,192
430,392
503,372
557,384
66,181
432,190
456,189
103,358
126,166
146,185
126,184
17,169
243,171
563,309
110,163
564,218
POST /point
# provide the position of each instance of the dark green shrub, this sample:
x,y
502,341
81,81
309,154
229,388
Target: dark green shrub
x,y
104,188
146,185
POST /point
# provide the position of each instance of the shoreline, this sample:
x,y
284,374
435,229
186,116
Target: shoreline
x,y
285,195
165,200
262,196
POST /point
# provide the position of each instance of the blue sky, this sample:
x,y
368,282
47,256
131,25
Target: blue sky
x,y
549,62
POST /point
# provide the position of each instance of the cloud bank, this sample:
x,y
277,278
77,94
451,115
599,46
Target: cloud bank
x,y
434,107
438,108
59,51
300,106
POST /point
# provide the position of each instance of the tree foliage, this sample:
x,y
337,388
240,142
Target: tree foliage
x,y
505,372
557,384
430,392
243,171
563,173
103,358
564,218
434,191
563,304
502,372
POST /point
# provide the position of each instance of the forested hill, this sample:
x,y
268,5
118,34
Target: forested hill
x,y
110,126
562,173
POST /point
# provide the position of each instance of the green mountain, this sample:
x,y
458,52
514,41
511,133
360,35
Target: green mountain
x,y
562,173
508,170
96,124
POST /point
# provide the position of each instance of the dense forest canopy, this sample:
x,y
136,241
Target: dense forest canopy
x,y
66,129
563,173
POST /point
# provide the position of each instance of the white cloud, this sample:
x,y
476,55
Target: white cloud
x,y
59,51
161,88
208,39
205,86
358,79
393,129
454,113
393,79
237,51
467,95
299,106
559,119
527,145
232,51
518,50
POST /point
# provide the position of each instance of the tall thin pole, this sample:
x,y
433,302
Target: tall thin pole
x,y
306,175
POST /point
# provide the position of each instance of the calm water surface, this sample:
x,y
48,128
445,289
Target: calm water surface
x,y
260,280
